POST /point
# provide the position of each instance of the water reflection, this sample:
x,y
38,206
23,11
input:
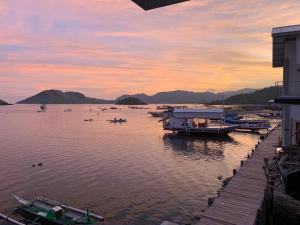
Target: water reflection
x,y
198,147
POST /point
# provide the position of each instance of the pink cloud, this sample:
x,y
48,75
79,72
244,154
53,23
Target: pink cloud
x,y
108,47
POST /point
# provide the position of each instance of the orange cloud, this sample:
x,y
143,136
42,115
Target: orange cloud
x,y
107,48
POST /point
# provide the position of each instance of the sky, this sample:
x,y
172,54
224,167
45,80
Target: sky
x,y
106,48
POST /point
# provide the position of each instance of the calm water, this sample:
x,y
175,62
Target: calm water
x,y
131,173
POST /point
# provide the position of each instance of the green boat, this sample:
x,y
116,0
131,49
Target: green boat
x,y
48,212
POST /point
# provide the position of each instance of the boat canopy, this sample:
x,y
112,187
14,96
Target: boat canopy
x,y
57,209
199,113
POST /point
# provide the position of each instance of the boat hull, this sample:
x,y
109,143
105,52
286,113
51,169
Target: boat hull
x,y
198,131
28,214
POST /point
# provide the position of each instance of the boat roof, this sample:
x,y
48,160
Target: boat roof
x,y
280,35
211,110
212,113
56,208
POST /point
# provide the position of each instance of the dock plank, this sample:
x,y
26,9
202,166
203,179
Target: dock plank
x,y
239,202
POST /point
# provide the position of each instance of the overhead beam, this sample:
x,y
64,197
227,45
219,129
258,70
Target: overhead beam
x,y
153,4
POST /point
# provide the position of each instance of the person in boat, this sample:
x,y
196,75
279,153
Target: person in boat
x,y
194,124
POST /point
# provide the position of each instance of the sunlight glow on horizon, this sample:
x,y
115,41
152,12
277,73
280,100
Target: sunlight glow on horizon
x,y
108,48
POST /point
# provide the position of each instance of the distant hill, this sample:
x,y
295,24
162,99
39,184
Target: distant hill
x,y
3,102
59,97
170,97
130,101
184,97
261,96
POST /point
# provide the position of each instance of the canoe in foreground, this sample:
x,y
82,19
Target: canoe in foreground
x,y
46,211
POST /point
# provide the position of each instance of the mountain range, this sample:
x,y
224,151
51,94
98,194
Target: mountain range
x,y
185,97
262,96
59,97
171,97
3,102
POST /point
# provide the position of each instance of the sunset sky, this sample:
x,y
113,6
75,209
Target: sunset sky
x,y
105,48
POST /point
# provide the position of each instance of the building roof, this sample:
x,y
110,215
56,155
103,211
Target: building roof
x,y
187,110
280,35
214,113
152,4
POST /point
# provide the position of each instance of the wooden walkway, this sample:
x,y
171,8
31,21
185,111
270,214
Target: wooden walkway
x,y
239,202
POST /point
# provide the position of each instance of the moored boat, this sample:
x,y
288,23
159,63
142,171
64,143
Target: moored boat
x,y
48,212
157,114
115,120
197,121
43,108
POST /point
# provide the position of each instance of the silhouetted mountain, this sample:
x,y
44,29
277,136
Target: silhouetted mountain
x,y
130,101
261,96
59,97
3,102
184,97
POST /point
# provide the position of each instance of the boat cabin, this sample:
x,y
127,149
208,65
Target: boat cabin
x,y
55,213
197,121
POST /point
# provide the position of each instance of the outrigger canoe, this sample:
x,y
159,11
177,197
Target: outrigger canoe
x,y
48,212
117,121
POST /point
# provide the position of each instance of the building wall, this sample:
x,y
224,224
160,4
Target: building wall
x,y
295,117
293,78
291,87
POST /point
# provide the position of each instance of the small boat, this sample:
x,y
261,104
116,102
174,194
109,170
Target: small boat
x,y
113,108
254,126
272,115
48,212
136,107
68,110
43,108
88,120
164,107
157,114
115,120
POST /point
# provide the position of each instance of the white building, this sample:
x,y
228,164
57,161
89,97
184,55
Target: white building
x,y
286,54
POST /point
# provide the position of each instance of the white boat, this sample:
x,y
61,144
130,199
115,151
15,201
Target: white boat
x,y
254,126
189,121
272,115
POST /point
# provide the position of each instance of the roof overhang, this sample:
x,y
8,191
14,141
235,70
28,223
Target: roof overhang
x,y
153,4
280,35
289,100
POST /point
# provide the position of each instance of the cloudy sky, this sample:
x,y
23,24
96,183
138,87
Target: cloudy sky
x,y
104,48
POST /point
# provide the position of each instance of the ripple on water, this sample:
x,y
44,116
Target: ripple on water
x,y
132,173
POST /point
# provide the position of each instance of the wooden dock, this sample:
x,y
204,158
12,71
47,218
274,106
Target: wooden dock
x,y
239,202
